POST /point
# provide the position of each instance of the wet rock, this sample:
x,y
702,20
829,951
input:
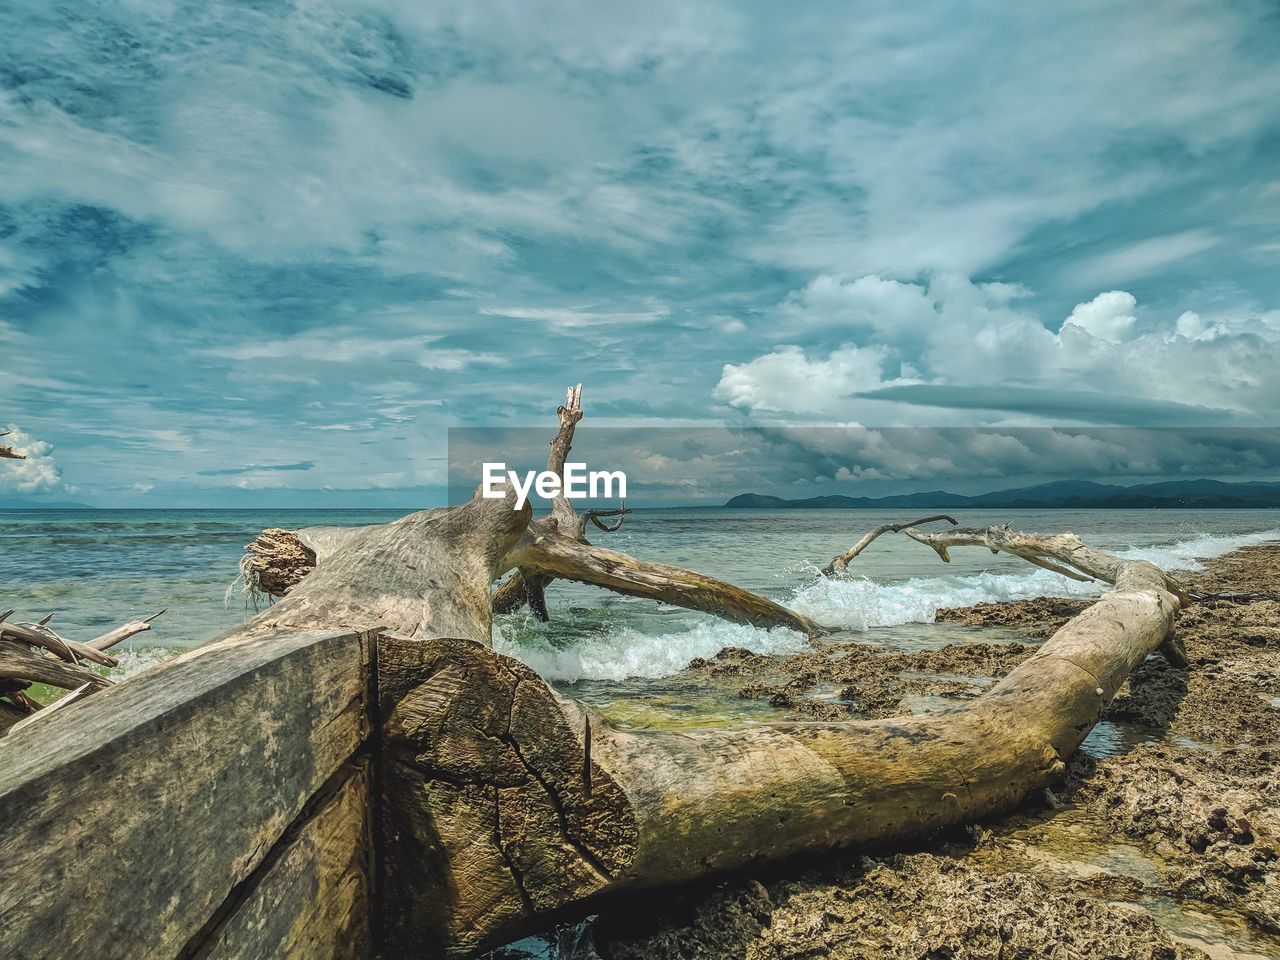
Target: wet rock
x,y
1039,616
918,906
1213,817
1199,808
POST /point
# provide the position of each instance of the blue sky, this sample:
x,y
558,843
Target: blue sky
x,y
270,252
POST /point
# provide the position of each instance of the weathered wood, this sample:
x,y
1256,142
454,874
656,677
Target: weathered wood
x,y
10,716
493,813
18,662
427,574
121,633
506,803
311,900
68,650
550,555
7,452
839,564
233,821
170,791
43,713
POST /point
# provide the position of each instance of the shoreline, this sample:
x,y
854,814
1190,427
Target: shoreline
x,y
1162,841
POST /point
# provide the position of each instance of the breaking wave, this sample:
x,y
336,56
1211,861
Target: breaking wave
x,y
622,652
627,652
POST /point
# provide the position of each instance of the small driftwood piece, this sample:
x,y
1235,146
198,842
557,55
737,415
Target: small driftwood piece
x,y
7,452
41,636
839,564
1061,553
36,653
119,634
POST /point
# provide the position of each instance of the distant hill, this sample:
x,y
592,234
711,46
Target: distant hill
x,y
42,505
1057,494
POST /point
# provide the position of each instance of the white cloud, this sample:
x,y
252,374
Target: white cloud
x,y
978,339
1108,316
577,316
39,472
239,193
1191,326
1140,259
351,346
893,310
786,381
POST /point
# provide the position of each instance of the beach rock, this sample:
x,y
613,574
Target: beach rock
x,y
917,905
1199,805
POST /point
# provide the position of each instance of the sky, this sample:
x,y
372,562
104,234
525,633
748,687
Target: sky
x,y
269,253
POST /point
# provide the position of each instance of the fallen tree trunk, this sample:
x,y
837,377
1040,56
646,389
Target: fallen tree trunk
x,y
526,803
499,805
505,804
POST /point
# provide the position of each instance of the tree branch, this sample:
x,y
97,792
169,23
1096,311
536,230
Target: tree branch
x,y
8,453
553,556
839,564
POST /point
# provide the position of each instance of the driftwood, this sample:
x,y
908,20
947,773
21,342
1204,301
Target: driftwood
x,y
216,806
505,804
1062,553
36,653
414,793
839,564
8,453
550,548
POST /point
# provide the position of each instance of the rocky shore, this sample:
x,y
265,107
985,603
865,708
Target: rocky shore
x,y
1163,840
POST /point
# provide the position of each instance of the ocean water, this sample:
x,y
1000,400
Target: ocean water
x,y
94,569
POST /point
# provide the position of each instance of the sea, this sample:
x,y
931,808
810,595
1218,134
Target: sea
x,y
95,569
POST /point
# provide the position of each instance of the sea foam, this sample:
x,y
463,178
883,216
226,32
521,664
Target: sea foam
x,y
855,604
626,652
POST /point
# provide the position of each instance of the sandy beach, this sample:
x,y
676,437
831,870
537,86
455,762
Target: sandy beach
x,y
1162,841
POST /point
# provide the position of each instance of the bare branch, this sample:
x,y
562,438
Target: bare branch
x,y
19,663
111,638
593,517
41,636
838,565
1062,553
552,555
562,513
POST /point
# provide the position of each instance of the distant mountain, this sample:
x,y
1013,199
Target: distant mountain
x,y
1057,494
43,505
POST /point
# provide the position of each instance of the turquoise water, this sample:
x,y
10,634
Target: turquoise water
x,y
95,569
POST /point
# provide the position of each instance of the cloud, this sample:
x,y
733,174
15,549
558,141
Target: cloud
x,y
1140,259
888,309
257,468
354,347
38,473
234,229
1097,368
987,458
1073,405
1108,316
786,381
575,316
